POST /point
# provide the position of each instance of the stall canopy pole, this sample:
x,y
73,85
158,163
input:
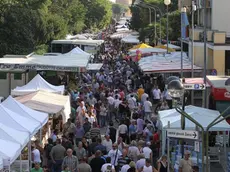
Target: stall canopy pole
x,y
20,162
40,135
29,155
168,155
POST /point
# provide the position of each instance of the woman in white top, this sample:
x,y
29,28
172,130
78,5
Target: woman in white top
x,y
147,167
36,157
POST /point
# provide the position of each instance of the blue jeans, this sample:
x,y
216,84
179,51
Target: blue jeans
x,y
57,167
102,121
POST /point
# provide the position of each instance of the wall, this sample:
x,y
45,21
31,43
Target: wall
x,y
199,56
220,14
5,84
219,61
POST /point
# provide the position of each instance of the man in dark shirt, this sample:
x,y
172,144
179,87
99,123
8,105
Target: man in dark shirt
x,y
86,125
97,162
100,147
124,159
92,146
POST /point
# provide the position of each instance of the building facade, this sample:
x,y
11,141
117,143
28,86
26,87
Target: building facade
x,y
218,36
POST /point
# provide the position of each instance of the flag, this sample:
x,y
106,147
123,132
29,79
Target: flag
x,y
184,24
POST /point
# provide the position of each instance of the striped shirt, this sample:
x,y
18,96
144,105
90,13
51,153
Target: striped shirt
x,y
71,162
122,161
95,132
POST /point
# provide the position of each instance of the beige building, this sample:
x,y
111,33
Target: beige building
x,y
218,36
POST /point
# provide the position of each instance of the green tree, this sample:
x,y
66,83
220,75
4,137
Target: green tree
x,y
118,10
99,13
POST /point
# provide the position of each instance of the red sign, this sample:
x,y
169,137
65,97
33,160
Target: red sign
x,y
220,94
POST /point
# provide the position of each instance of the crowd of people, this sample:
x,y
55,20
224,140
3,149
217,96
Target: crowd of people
x,y
113,125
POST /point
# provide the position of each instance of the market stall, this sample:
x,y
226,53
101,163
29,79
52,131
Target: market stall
x,y
76,51
48,102
130,39
36,84
171,119
94,66
166,63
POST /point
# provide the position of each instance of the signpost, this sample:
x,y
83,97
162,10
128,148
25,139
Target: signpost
x,y
183,134
194,86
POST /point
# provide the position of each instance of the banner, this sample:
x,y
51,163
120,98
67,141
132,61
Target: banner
x,y
39,67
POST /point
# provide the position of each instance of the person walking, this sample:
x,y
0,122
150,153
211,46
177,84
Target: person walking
x,y
70,161
57,155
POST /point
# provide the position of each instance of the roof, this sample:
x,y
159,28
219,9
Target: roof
x,y
217,81
65,62
77,41
195,81
166,63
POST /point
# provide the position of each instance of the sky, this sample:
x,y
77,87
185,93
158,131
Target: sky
x,y
113,1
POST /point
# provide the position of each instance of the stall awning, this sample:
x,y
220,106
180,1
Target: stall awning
x,y
71,63
36,84
47,102
94,66
166,63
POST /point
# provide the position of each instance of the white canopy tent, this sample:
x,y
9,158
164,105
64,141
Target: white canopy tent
x,y
165,63
47,102
78,51
122,29
175,47
94,66
13,135
148,50
73,63
10,150
201,115
21,109
18,122
36,84
130,39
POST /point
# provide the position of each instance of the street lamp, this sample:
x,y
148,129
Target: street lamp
x,y
167,3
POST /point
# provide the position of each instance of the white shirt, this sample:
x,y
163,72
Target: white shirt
x,y
147,169
131,103
122,129
104,167
128,82
147,106
110,100
36,155
147,152
167,96
107,144
117,102
125,168
144,97
114,155
92,101
157,93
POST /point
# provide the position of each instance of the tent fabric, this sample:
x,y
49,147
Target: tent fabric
x,y
94,66
202,115
142,46
1,163
165,47
131,39
18,122
148,50
36,84
47,102
76,51
10,150
172,46
165,63
13,135
21,109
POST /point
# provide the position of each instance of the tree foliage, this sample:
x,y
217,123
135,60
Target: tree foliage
x,y
27,25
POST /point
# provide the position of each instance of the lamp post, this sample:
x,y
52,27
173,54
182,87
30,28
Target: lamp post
x,y
158,16
167,3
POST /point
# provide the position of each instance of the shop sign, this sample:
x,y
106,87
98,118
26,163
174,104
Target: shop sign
x,y
227,94
194,86
183,134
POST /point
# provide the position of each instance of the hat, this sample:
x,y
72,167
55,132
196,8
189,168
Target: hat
x,y
132,164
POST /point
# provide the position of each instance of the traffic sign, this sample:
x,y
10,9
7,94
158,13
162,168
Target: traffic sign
x,y
183,134
194,86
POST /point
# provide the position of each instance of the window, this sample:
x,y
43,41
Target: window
x,y
17,76
3,75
